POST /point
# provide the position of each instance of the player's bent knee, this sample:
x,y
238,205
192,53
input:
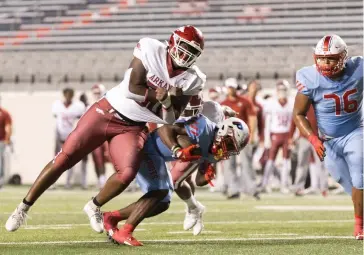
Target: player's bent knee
x,y
160,208
127,175
62,162
159,194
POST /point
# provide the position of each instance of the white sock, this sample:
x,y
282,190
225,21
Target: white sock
x,y
24,207
92,204
286,169
191,202
268,169
102,180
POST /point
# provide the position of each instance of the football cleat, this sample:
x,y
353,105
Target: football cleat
x,y
359,235
192,216
198,227
358,232
122,237
16,219
95,216
110,224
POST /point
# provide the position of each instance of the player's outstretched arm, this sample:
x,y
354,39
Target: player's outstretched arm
x,y
301,105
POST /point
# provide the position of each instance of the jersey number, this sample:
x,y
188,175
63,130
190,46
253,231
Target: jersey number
x,y
349,105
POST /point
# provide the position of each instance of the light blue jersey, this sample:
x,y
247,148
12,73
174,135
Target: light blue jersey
x,y
153,173
338,110
337,103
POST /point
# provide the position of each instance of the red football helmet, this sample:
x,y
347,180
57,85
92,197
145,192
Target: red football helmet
x,y
331,46
194,106
186,45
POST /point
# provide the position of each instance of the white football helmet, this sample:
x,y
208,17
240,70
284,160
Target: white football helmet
x,y
334,47
282,89
231,137
194,106
231,83
98,91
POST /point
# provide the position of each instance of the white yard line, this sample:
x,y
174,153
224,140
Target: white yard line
x,y
286,208
206,222
189,232
282,234
184,240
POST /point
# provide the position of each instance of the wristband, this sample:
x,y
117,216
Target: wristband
x,y
166,103
175,149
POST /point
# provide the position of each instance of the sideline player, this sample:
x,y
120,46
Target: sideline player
x,y
67,112
120,117
277,126
334,87
213,143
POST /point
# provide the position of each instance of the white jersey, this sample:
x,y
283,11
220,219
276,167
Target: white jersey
x,y
153,55
280,115
66,117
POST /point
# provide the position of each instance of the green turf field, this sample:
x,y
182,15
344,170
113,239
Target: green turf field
x,y
277,224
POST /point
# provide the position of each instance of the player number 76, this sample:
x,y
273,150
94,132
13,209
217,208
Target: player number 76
x,y
349,105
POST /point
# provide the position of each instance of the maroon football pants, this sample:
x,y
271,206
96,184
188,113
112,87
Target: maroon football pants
x,y
99,124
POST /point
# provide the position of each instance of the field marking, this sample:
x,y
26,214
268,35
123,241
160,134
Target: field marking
x,y
186,240
206,222
188,232
286,208
282,234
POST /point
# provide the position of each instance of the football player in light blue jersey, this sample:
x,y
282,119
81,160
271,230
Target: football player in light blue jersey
x,y
334,86
210,143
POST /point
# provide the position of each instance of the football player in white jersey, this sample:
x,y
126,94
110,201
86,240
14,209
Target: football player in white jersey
x,y
67,112
277,126
145,95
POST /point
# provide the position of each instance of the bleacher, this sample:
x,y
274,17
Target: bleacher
x,y
92,40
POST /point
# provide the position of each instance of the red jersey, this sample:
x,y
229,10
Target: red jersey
x,y
260,120
242,105
5,119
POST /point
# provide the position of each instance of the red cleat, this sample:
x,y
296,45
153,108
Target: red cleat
x,y
358,233
110,223
126,238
